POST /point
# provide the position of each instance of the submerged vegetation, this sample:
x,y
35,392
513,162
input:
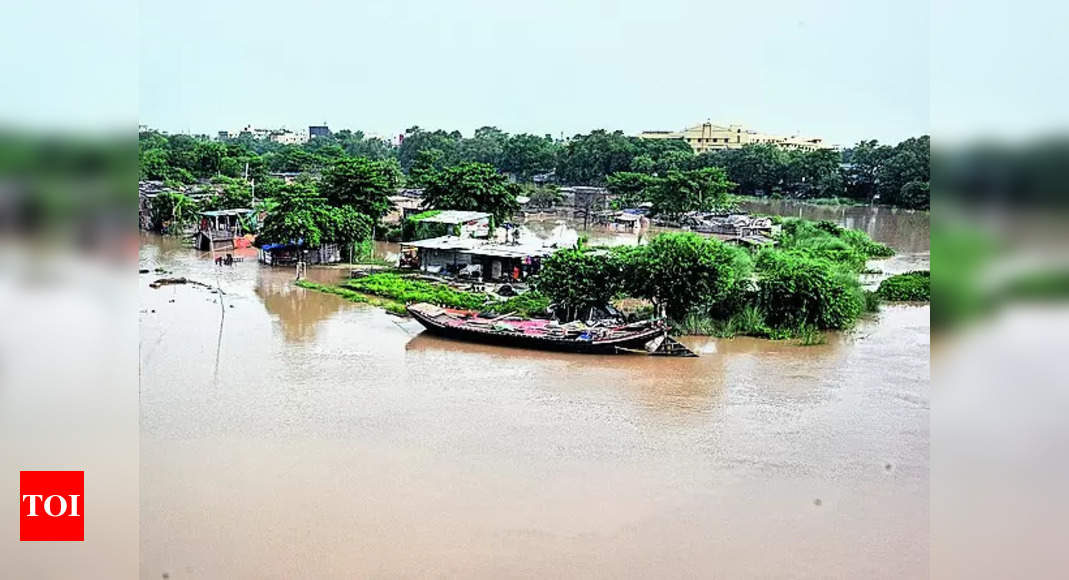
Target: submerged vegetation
x,y
912,286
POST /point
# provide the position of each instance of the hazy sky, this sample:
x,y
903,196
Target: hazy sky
x,y
844,70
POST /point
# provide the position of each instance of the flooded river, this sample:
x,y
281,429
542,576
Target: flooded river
x,y
287,433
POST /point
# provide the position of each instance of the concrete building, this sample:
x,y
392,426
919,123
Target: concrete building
x,y
318,131
709,137
287,137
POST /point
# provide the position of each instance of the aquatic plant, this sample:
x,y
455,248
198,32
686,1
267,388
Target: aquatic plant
x,y
911,286
811,336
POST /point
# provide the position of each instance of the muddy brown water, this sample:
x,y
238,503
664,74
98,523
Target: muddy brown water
x,y
305,436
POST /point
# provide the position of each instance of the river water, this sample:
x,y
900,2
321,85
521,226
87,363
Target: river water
x,y
288,433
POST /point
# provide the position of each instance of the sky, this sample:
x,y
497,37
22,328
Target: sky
x,y
839,69
842,70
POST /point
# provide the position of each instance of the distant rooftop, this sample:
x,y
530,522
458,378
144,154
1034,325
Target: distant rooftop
x,y
453,217
226,212
481,247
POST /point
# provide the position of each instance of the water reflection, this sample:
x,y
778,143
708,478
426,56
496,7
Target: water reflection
x,y
298,311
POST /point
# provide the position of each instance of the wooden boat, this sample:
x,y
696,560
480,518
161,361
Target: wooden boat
x,y
541,334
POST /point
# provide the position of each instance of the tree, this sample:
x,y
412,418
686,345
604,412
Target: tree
x,y
362,184
527,155
813,174
755,168
471,187
427,163
299,217
632,188
915,195
681,271
345,226
172,211
486,146
680,192
208,158
154,164
416,140
578,280
863,163
233,194
908,162
589,159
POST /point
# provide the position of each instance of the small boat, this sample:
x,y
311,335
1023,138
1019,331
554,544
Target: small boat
x,y
507,330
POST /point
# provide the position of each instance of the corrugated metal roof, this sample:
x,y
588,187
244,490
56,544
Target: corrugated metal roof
x,y
453,217
480,247
223,212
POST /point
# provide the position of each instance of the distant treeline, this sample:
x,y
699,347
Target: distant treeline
x,y
868,171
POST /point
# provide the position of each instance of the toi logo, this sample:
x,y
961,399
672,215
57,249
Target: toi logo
x,y
51,506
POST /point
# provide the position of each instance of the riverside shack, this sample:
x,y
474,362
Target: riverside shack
x,y
224,229
452,255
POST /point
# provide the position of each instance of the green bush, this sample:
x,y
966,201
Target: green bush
x,y
795,291
911,286
829,240
579,279
684,271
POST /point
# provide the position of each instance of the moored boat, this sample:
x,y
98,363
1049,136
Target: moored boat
x,y
542,334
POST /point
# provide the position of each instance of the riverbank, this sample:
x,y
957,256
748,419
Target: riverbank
x,y
805,285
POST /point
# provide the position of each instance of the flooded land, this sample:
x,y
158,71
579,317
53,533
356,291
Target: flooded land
x,y
288,433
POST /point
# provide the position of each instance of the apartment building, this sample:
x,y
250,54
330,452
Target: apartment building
x,y
708,137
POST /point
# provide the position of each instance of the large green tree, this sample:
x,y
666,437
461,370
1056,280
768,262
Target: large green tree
x,y
472,187
300,216
680,192
362,184
527,155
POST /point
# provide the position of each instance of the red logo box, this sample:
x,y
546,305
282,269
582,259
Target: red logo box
x,y
52,506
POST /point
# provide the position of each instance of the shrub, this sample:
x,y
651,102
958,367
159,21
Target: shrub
x,y
872,301
794,291
578,279
911,286
826,239
683,271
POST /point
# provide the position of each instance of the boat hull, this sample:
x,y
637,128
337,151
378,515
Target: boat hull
x,y
622,345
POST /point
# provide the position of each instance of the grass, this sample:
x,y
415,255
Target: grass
x,y
750,321
408,290
811,336
391,306
912,286
392,292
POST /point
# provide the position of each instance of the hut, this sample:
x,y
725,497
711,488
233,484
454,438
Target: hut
x,y
224,229
454,255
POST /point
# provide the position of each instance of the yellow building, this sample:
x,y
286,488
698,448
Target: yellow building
x,y
709,137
